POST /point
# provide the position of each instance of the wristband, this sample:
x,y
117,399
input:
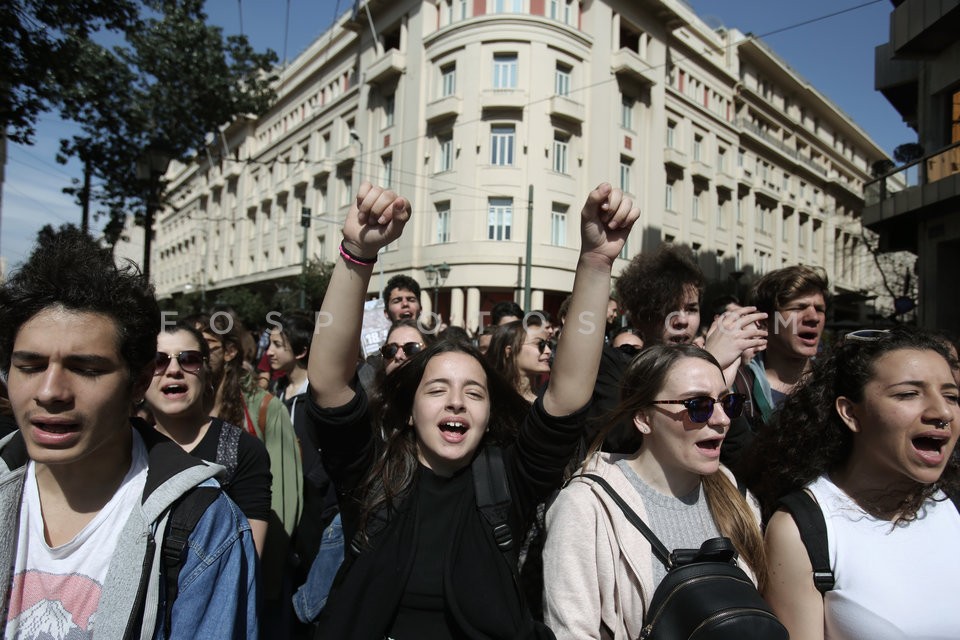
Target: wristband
x,y
349,257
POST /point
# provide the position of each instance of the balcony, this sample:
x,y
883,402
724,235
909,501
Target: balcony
x,y
491,99
745,177
765,137
628,64
921,28
443,108
700,169
896,203
320,168
724,180
675,157
388,66
564,107
897,80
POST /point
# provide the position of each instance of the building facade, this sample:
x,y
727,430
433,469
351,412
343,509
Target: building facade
x,y
496,118
916,207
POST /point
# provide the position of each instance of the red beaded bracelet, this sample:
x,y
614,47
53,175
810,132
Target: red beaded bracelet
x,y
349,257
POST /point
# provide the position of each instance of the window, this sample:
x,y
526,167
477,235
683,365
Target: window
x,y
785,233
625,165
501,144
386,170
563,10
671,134
561,84
505,71
626,111
695,205
388,107
499,218
739,210
325,146
721,218
448,80
738,258
721,159
443,222
558,225
669,193
507,6
561,144
697,147
445,157
741,157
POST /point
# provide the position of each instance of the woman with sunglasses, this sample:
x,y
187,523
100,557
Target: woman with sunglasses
x,y
404,340
868,438
180,397
425,563
599,571
521,353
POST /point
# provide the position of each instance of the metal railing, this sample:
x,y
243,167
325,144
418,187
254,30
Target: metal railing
x,y
930,168
744,123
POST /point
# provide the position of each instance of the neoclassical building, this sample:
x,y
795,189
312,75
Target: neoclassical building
x,y
496,118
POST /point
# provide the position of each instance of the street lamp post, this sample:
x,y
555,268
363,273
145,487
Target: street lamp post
x,y
436,276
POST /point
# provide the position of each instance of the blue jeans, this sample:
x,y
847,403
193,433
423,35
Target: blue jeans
x,y
311,597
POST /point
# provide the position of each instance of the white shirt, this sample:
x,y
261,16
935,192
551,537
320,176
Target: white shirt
x,y
892,582
56,590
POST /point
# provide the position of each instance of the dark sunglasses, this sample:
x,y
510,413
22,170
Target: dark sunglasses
x,y
541,344
390,349
700,408
189,361
630,349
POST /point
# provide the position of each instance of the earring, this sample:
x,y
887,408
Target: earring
x,y
645,430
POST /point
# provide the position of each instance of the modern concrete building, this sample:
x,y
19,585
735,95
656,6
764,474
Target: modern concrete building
x,y
918,71
496,118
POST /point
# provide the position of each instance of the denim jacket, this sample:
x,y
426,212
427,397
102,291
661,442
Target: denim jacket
x,y
218,579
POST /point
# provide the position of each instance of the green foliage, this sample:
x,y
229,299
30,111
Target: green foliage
x,y
39,45
314,281
171,82
908,152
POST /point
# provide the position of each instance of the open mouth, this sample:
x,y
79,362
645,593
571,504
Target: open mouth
x,y
55,427
174,389
679,339
453,430
710,446
809,336
930,447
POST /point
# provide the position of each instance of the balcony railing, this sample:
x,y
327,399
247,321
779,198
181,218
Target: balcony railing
x,y
744,123
926,170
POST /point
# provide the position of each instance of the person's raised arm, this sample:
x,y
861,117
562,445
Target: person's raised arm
x,y
605,223
376,219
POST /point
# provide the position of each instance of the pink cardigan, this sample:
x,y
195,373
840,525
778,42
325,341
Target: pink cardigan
x,y
597,571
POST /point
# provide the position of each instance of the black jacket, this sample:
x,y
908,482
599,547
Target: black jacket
x,y
481,594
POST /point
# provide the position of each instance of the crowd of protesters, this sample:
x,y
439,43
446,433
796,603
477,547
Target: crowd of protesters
x,y
202,480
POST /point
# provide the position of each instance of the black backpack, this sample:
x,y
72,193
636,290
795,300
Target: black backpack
x,y
704,595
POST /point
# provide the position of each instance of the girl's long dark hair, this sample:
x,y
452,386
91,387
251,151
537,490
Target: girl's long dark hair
x,y
642,382
393,473
808,439
233,378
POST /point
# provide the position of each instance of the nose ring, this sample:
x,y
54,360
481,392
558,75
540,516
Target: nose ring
x,y
942,424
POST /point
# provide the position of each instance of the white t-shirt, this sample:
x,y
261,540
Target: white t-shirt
x,y
56,590
892,582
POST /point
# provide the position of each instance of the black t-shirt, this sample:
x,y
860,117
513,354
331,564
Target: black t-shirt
x,y
249,485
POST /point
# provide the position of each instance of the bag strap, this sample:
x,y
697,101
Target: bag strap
x,y
184,516
264,404
659,550
493,494
813,531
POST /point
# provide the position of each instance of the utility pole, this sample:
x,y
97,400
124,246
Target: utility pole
x,y
305,223
528,268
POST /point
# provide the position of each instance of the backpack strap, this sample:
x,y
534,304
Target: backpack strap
x,y
659,550
813,531
493,494
227,448
184,516
264,404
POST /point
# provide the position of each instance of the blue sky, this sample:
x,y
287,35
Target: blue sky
x,y
835,54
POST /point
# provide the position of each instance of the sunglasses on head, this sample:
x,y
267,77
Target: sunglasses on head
x,y
541,344
866,335
190,361
390,349
700,408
